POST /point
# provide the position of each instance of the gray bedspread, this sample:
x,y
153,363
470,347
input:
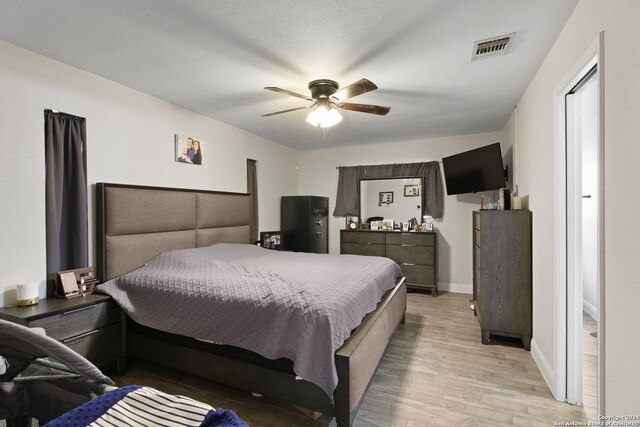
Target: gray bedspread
x,y
278,304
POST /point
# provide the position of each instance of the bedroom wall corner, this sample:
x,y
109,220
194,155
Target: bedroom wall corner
x,y
130,140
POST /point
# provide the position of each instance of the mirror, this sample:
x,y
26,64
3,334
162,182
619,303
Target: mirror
x,y
399,199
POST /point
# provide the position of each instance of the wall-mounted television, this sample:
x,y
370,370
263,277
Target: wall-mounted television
x,y
476,170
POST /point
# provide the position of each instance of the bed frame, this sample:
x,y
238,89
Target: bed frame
x,y
136,223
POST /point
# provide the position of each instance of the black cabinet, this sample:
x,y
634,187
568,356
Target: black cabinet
x,y
303,222
502,273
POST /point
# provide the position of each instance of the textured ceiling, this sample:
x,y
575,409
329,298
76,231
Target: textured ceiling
x,y
215,57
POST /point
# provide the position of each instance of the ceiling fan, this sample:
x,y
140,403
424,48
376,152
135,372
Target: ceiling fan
x,y
327,99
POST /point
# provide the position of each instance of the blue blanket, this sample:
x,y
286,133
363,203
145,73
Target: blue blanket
x,y
145,406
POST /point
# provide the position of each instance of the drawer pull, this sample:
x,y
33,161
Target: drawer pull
x,y
406,263
79,309
77,337
409,246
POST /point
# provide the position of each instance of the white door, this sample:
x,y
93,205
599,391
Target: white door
x,y
582,177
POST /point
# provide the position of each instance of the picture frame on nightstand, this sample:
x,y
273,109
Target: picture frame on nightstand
x,y
271,240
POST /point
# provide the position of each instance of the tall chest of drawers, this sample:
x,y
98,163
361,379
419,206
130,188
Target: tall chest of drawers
x,y
416,253
502,287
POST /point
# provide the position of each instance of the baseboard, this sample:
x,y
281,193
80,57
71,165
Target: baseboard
x,y
458,288
544,367
590,309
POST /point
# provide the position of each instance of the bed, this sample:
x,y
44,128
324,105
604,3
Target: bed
x,y
135,224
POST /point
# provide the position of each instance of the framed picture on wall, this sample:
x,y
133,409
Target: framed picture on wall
x,y
412,190
188,149
385,197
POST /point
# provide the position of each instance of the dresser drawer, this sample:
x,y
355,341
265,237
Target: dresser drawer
x,y
363,249
411,254
363,237
98,346
418,274
78,321
476,220
416,239
476,236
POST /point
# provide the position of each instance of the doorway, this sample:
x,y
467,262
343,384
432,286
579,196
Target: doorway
x,y
578,95
582,199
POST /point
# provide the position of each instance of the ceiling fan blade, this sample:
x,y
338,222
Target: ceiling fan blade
x,y
365,108
288,92
286,111
355,89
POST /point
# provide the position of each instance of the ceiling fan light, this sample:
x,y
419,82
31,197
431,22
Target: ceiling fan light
x,y
324,117
312,118
332,118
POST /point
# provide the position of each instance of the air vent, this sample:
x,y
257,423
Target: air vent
x,y
494,46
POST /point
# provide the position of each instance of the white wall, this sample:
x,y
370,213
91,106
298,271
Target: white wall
x,y
318,176
130,139
535,159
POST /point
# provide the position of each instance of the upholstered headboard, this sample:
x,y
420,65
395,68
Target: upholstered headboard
x,y
136,223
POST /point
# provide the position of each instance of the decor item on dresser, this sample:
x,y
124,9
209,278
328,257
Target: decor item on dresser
x,y
504,199
188,149
304,224
415,252
502,273
387,224
129,237
352,222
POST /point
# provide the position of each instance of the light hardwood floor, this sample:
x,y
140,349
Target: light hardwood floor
x,y
589,363
435,372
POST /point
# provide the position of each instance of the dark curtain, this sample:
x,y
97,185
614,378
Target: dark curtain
x,y
65,194
348,200
252,188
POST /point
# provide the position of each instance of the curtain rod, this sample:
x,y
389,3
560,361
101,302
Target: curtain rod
x,y
338,167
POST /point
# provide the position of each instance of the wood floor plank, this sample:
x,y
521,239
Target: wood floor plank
x,y
435,372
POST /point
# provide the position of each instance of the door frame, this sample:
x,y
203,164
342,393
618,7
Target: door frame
x,y
564,381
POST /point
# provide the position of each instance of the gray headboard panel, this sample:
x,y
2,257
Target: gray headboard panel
x,y
137,223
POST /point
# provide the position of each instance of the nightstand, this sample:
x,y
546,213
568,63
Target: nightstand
x,y
90,325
